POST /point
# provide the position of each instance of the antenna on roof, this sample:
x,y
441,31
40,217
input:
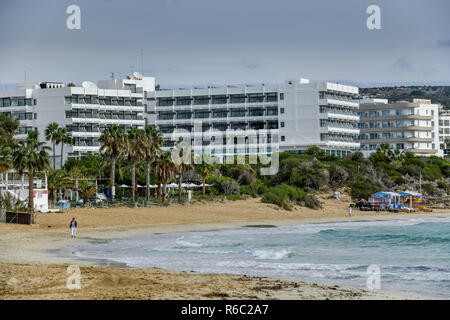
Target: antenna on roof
x,y
112,75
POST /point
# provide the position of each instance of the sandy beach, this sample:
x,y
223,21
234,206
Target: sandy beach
x,y
30,271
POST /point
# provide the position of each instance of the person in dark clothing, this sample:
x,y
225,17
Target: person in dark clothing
x,y
73,227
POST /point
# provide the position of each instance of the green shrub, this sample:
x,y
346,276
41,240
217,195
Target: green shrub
x,y
363,189
283,195
312,202
442,185
254,189
429,189
233,197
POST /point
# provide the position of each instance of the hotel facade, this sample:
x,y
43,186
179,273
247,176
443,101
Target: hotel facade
x,y
85,110
224,121
407,126
246,120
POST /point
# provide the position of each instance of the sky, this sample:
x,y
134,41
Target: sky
x,y
210,42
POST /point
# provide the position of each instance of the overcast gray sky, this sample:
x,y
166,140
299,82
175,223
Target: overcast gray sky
x,y
223,42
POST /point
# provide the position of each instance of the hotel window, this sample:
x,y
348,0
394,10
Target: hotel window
x,y
201,114
219,99
372,114
281,96
283,138
385,113
256,112
281,110
272,111
237,98
220,114
238,113
271,97
256,97
282,124
183,101
201,100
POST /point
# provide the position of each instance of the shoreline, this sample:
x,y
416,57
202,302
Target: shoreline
x,y
35,249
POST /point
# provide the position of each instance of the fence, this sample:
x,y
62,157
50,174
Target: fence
x,y
15,217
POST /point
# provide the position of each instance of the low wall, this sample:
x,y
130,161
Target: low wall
x,y
17,217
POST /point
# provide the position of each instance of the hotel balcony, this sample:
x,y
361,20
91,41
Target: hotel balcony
x,y
339,116
396,140
335,101
400,128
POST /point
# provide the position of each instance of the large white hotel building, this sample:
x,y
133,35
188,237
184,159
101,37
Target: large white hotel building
x,y
237,120
260,119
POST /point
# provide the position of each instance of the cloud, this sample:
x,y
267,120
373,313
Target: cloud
x,y
402,64
440,44
428,71
443,44
250,65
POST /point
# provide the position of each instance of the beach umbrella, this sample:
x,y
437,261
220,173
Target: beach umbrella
x,y
124,186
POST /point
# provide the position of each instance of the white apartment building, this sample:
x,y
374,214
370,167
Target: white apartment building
x,y
407,126
85,111
245,120
444,131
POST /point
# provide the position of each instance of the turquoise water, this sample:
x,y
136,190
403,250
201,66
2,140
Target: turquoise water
x,y
413,255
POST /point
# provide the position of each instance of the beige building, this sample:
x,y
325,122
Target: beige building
x,y
407,126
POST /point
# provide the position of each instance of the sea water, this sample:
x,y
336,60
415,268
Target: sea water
x,y
413,255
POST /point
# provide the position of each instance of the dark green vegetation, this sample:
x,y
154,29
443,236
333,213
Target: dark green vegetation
x,y
437,94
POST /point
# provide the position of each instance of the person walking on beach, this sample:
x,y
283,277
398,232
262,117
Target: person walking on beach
x,y
73,227
350,211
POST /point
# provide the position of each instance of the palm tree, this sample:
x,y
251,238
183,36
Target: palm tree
x,y
165,169
183,165
86,191
8,128
58,179
204,169
154,142
31,155
114,144
399,155
386,149
51,134
5,157
136,147
63,137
